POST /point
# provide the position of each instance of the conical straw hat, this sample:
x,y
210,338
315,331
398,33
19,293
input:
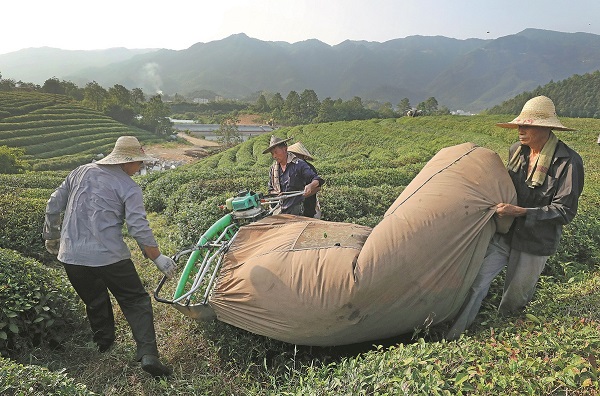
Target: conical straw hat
x,y
298,148
538,111
275,141
127,149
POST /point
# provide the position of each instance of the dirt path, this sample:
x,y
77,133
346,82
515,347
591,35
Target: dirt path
x,y
181,152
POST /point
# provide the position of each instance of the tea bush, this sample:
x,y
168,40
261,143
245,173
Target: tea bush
x,y
38,305
17,379
21,222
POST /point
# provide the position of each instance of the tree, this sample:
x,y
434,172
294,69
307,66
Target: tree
x,y
7,84
228,133
119,95
327,111
309,106
291,107
72,90
276,102
94,96
261,104
429,107
137,96
387,110
404,106
53,86
10,160
155,116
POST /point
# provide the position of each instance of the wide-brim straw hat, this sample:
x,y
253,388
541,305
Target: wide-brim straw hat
x,y
538,111
275,141
127,149
298,148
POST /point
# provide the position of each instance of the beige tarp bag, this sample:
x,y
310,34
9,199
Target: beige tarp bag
x,y
312,282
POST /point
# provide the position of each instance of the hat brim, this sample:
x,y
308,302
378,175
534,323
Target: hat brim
x,y
276,144
512,125
119,159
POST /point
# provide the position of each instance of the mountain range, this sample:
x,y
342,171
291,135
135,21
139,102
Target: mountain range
x,y
470,75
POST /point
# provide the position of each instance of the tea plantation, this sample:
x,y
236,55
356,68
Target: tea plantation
x,y
56,132
550,349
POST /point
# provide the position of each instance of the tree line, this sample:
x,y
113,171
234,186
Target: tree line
x,y
577,96
301,108
130,107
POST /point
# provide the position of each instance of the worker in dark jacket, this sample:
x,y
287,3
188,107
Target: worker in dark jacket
x,y
97,199
548,178
290,173
312,208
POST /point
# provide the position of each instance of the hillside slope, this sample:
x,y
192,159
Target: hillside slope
x,y
56,132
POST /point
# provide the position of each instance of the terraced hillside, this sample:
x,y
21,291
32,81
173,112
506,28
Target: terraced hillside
x,y
56,132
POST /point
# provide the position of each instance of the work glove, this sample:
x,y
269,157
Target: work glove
x,y
52,246
166,265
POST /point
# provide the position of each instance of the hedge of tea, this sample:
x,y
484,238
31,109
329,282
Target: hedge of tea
x,y
38,304
30,380
57,133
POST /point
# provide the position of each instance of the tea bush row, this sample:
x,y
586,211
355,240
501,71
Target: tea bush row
x,y
21,222
8,135
17,379
73,145
30,141
38,304
64,117
67,161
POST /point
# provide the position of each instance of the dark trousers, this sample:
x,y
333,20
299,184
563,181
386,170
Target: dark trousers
x,y
92,285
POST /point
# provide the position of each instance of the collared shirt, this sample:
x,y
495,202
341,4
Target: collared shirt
x,y
96,200
296,176
549,206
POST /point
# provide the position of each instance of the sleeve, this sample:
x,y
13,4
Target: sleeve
x,y
55,206
135,218
309,173
563,207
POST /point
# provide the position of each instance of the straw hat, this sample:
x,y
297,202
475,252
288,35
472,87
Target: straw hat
x,y
538,111
275,141
298,148
127,149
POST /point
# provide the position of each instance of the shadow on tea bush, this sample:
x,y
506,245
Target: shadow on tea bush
x,y
38,305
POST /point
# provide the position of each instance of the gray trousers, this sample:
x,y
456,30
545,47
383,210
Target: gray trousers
x,y
522,273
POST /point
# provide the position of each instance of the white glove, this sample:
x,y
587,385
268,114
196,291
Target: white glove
x,y
166,265
52,246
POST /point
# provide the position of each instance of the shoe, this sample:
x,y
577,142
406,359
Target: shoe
x,y
152,365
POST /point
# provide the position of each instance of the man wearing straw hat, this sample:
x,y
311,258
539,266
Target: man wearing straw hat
x,y
290,173
548,178
312,208
96,200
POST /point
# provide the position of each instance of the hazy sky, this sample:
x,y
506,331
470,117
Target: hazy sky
x,y
178,24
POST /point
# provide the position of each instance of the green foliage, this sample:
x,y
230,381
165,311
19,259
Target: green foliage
x,y
17,379
37,304
21,221
576,96
11,160
228,133
55,133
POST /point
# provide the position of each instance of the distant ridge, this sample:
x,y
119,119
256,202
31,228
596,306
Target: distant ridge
x,y
471,75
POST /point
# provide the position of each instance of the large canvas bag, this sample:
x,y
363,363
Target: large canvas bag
x,y
313,282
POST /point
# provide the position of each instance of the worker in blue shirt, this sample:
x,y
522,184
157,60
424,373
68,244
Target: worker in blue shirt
x,y
290,173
